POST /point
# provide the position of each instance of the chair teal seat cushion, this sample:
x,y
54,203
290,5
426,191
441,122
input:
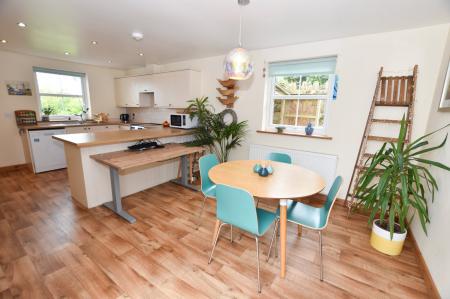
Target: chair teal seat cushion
x,y
265,220
305,215
210,191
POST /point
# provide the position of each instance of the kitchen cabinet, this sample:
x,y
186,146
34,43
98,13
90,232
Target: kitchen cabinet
x,y
161,90
128,95
88,129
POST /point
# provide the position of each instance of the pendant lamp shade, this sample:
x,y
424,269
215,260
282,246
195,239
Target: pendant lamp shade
x,y
238,65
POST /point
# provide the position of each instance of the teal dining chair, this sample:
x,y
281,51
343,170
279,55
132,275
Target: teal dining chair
x,y
310,217
280,157
208,188
236,207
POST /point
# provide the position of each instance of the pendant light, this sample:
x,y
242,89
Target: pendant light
x,y
237,64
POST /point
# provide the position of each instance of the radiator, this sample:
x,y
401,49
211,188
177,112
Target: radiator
x,y
323,164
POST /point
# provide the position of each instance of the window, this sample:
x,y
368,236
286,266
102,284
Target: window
x,y
64,92
299,91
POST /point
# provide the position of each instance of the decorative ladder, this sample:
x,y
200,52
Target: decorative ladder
x,y
394,91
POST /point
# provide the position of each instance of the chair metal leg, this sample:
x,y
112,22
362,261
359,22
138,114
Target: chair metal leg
x,y
201,212
215,242
321,255
274,236
257,260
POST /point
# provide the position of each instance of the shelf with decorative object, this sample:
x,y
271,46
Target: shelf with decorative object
x,y
227,92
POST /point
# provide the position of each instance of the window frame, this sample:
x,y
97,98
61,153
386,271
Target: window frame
x,y
84,90
271,97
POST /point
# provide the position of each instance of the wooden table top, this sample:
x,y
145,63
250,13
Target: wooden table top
x,y
287,181
126,161
119,136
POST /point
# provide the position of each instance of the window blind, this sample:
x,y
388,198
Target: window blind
x,y
315,66
59,72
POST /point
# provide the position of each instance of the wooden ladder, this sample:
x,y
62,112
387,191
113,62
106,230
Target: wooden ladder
x,y
394,91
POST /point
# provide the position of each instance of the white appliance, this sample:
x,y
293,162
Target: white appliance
x,y
47,153
183,121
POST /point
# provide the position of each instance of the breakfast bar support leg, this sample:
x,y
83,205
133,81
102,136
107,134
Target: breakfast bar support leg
x,y
283,220
116,204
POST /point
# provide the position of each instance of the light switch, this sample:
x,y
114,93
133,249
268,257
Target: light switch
x,y
7,115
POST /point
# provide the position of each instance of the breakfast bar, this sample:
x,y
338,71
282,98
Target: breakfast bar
x,y
90,181
123,162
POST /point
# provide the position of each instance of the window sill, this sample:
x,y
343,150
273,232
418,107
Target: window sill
x,y
317,136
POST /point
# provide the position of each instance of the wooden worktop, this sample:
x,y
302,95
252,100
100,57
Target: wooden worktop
x,y
125,161
112,137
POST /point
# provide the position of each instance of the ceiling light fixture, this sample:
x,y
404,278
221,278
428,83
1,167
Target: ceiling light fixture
x,y
141,54
238,64
109,61
4,41
137,36
66,53
21,24
94,42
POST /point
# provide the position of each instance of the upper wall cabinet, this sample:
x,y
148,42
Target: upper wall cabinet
x,y
165,90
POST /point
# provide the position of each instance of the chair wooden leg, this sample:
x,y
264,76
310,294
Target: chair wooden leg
x,y
216,230
274,237
201,212
299,230
257,261
321,255
215,242
231,233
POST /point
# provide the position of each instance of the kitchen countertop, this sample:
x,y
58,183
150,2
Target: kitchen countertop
x,y
112,137
58,125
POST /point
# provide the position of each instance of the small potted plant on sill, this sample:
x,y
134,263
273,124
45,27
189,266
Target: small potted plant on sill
x,y
47,111
393,187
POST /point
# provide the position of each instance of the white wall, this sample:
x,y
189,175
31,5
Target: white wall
x,y
435,247
17,67
359,59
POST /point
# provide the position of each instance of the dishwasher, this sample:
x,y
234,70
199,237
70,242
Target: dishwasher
x,y
47,153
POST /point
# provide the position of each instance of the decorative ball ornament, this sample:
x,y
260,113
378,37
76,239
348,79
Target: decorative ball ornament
x,y
238,64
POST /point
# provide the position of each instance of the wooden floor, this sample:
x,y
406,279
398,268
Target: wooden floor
x,y
50,247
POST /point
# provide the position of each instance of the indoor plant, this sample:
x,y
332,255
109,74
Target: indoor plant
x,y
393,187
212,131
47,112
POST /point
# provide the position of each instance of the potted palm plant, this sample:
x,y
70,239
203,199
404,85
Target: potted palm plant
x,y
212,131
394,187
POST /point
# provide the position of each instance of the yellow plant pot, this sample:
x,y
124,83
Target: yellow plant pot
x,y
381,240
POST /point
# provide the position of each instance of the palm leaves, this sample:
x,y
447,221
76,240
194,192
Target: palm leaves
x,y
213,131
395,181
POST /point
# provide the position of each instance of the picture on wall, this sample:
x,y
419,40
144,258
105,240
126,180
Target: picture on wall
x,y
445,98
18,88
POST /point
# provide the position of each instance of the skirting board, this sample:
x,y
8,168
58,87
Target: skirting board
x,y
434,293
15,167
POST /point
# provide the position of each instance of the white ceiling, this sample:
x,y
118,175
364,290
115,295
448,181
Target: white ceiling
x,y
183,29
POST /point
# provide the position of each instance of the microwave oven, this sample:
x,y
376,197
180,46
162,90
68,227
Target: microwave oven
x,y
183,121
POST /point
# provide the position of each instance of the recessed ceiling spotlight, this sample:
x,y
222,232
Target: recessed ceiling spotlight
x,y
137,36
21,24
94,42
109,61
141,54
66,53
4,41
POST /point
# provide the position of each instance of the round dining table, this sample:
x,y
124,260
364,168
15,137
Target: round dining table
x,y
288,181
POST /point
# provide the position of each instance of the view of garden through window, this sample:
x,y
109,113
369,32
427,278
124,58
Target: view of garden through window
x,y
295,102
62,93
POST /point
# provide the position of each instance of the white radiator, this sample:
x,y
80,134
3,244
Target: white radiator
x,y
323,164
